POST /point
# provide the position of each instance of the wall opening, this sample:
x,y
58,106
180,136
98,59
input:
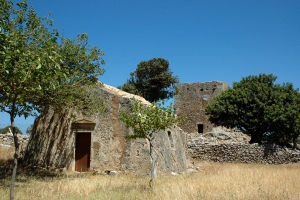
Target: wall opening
x,y
204,102
200,128
170,139
82,152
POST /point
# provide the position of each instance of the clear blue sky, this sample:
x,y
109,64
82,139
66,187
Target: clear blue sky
x,y
202,40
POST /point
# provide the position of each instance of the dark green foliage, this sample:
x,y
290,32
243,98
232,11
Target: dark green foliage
x,y
260,108
152,80
6,130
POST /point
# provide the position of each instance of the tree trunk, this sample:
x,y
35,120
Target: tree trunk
x,y
294,142
152,164
16,156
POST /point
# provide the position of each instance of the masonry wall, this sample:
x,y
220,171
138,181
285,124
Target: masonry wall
x,y
52,143
191,100
7,147
235,147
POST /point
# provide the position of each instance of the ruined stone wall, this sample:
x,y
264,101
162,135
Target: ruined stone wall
x,y
235,147
191,100
7,147
52,143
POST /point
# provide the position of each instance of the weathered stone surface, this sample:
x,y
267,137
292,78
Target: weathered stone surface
x,y
191,99
52,142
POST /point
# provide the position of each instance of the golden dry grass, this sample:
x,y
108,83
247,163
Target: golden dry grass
x,y
213,181
6,152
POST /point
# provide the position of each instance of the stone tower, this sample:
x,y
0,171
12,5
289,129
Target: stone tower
x,y
191,100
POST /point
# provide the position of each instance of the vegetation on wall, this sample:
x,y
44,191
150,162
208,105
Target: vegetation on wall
x,y
260,108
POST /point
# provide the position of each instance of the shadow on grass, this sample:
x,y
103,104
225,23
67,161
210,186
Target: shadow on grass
x,y
27,173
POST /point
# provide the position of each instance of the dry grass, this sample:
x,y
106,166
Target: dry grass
x,y
6,152
214,181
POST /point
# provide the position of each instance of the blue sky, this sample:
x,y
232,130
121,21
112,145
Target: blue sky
x,y
202,40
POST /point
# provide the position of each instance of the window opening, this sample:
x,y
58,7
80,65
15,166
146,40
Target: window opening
x,y
200,128
204,102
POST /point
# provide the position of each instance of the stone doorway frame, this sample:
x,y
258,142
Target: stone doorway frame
x,y
82,125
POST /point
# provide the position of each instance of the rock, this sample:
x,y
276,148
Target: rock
x,y
51,168
191,171
280,153
97,172
63,169
295,159
113,173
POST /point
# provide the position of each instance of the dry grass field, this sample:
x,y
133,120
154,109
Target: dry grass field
x,y
213,181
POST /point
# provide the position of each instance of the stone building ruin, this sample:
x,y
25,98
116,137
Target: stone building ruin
x,y
54,142
190,102
96,142
219,144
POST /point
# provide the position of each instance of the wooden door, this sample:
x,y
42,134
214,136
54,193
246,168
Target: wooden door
x,y
82,152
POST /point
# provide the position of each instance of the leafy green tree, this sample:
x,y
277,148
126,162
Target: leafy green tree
x,y
147,120
152,80
39,69
6,130
258,107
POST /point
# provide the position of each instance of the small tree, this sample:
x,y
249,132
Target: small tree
x,y
260,108
146,121
37,71
152,80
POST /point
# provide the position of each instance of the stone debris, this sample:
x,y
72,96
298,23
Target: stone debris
x,y
174,174
8,140
190,171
